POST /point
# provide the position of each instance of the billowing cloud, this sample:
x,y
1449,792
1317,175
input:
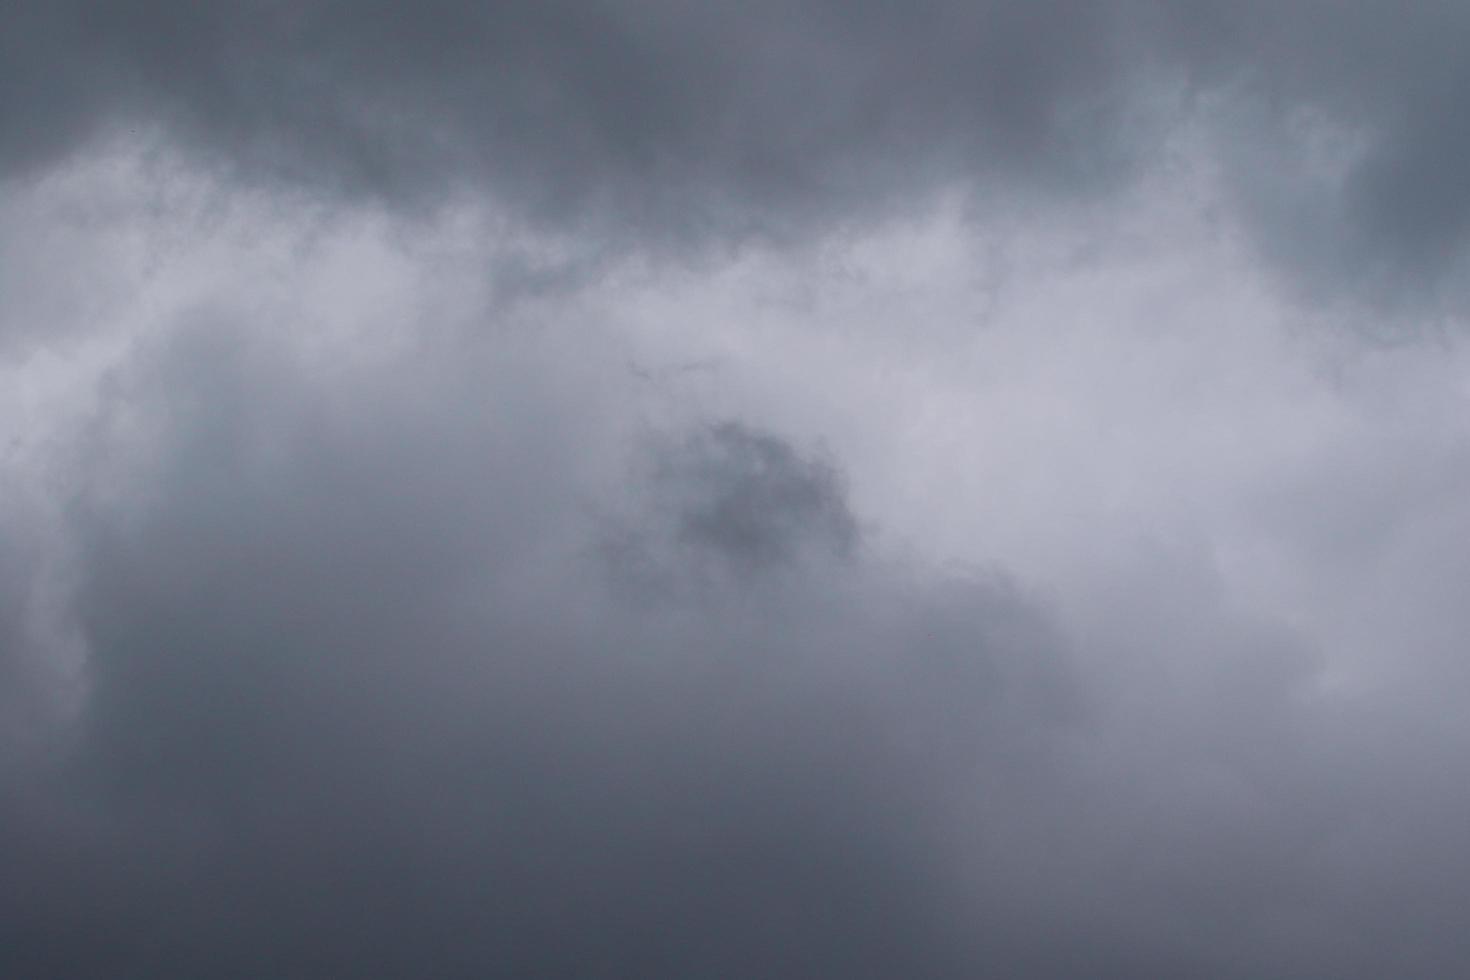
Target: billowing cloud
x,y
358,703
623,489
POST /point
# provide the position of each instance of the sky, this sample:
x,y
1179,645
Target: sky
x,y
637,489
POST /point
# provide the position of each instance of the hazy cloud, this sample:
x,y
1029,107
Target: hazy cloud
x,y
628,489
335,725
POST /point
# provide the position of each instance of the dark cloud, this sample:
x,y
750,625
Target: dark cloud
x,y
670,118
651,120
407,647
1345,133
731,501
15,679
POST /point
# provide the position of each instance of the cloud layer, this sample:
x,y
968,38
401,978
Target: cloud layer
x,y
1341,123
621,489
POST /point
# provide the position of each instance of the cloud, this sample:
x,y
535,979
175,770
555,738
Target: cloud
x,y
798,490
654,123
646,109
732,501
367,689
336,723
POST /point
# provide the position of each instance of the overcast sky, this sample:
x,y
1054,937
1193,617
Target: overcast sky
x,y
816,489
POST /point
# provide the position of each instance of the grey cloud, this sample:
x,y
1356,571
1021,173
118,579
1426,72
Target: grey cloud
x,y
672,117
648,120
1343,127
367,696
730,501
15,577
751,498
337,723
430,659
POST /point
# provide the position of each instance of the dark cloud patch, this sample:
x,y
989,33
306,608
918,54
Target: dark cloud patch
x,y
732,501
751,499
1344,129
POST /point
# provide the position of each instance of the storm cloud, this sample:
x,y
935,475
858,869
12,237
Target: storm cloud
x,y
336,722
632,489
653,122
